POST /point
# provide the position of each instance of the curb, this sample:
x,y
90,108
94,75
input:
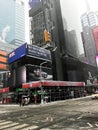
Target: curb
x,y
46,104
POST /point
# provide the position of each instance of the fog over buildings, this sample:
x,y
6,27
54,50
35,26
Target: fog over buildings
x,y
72,14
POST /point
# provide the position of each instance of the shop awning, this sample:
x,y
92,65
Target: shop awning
x,y
62,83
31,84
51,83
4,90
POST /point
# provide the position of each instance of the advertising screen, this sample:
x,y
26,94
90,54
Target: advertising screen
x,y
3,60
20,75
35,73
95,33
97,60
38,52
3,53
3,66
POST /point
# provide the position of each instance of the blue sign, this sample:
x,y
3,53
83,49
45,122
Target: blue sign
x,y
17,54
30,51
38,52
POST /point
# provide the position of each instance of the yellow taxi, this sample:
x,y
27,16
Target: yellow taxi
x,y
95,95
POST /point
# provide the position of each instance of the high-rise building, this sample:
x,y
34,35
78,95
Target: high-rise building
x,y
43,17
89,19
89,22
12,22
40,20
51,15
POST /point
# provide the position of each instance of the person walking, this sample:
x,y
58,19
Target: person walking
x,y
20,101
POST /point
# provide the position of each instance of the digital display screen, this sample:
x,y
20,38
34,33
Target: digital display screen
x,y
38,52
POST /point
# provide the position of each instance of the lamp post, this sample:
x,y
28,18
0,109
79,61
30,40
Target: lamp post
x,y
42,95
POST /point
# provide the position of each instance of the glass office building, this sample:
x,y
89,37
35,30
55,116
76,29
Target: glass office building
x,y
12,22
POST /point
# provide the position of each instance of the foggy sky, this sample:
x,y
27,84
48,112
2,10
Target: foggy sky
x,y
72,10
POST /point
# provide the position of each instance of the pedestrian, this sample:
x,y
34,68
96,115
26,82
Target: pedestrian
x,y
23,101
20,101
72,94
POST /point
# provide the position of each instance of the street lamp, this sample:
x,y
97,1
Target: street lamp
x,y
42,95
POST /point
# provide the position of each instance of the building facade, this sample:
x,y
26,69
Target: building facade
x,y
12,22
64,24
89,23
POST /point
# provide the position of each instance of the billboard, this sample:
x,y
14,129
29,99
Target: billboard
x,y
3,60
20,75
30,51
17,54
95,34
35,73
97,60
38,52
3,66
3,53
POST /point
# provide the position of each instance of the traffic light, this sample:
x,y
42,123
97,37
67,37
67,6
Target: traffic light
x,y
47,36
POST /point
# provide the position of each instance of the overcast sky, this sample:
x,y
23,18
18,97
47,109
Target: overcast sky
x,y
72,10
27,21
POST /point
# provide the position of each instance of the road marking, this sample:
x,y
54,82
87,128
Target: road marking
x,y
90,125
45,129
5,122
96,125
6,125
2,121
9,125
18,127
4,111
79,117
30,128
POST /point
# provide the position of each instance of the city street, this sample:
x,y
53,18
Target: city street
x,y
72,114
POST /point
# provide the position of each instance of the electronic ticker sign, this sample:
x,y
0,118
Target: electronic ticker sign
x,y
38,52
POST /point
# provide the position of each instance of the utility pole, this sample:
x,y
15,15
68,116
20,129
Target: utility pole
x,y
42,92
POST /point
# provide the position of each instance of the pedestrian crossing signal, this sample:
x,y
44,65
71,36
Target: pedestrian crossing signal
x,y
47,36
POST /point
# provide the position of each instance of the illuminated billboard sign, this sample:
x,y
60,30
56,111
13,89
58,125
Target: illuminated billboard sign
x,y
97,60
38,52
30,51
95,34
3,60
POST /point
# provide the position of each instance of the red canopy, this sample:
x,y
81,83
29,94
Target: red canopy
x,y
51,83
31,84
4,90
62,83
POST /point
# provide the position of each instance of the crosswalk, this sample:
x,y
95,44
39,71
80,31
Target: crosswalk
x,y
11,125
6,125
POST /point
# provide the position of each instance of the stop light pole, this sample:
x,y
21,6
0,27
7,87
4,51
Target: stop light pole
x,y
42,92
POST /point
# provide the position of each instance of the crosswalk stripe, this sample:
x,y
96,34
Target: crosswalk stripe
x,y
31,127
9,125
6,125
90,125
2,121
18,127
96,125
5,122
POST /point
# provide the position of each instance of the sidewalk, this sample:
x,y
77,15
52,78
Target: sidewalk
x,y
46,104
